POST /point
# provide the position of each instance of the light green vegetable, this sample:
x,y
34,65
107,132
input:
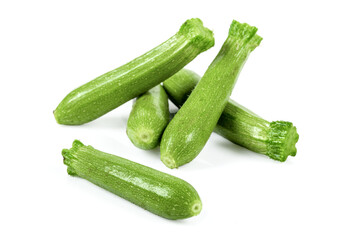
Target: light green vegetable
x,y
118,86
155,191
180,85
238,124
148,118
190,129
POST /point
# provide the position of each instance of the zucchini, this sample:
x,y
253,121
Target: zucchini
x,y
241,126
120,85
148,118
160,193
190,129
180,85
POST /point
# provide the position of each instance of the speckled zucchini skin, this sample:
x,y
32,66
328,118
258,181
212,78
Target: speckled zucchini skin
x,y
118,86
160,193
180,85
148,118
190,129
238,124
275,139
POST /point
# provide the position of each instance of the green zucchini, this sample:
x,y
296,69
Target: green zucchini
x,y
190,129
148,118
160,193
180,85
241,126
120,85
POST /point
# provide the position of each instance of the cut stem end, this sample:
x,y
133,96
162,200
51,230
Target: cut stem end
x,y
144,138
196,208
283,137
169,162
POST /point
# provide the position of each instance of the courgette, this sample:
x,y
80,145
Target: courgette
x,y
190,129
120,85
238,124
148,118
160,193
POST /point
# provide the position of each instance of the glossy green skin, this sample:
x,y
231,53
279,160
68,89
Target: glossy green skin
x,y
160,193
238,124
190,129
118,86
148,118
275,139
180,85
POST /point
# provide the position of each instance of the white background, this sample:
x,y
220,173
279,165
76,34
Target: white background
x,y
48,48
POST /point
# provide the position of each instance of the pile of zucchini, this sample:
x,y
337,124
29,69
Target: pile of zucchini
x,y
204,106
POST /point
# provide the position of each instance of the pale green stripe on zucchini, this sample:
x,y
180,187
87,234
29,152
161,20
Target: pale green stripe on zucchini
x,y
190,129
238,124
160,193
148,118
122,84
